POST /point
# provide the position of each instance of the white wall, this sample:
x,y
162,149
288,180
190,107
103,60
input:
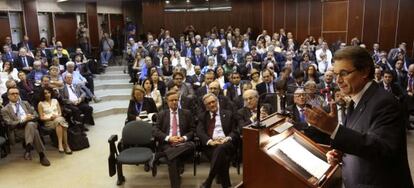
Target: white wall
x,y
53,6
109,6
103,6
10,5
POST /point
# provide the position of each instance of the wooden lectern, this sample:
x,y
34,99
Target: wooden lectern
x,y
264,166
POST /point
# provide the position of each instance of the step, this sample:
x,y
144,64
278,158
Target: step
x,y
114,94
112,76
112,84
115,68
105,108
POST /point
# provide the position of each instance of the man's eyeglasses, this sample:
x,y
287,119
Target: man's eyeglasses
x,y
343,73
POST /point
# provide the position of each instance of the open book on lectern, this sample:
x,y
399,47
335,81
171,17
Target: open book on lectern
x,y
295,152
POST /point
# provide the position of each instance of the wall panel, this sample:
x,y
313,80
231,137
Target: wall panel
x,y
302,20
280,15
388,23
290,23
371,22
355,19
405,25
334,16
66,29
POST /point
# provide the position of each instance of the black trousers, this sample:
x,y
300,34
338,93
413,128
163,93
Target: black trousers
x,y
82,108
176,156
220,157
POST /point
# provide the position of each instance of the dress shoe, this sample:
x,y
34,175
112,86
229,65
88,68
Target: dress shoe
x,y
68,151
44,161
96,99
28,155
61,151
205,185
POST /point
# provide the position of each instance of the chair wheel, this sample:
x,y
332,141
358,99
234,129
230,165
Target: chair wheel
x,y
146,167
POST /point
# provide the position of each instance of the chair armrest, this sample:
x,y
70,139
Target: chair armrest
x,y
113,138
112,148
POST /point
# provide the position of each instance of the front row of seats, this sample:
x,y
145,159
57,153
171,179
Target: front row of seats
x,y
172,139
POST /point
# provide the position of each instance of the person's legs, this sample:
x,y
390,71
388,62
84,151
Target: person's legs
x,y
59,134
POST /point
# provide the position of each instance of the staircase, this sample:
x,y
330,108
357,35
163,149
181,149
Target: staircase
x,y
114,90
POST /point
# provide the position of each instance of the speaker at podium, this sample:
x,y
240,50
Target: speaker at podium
x,y
278,155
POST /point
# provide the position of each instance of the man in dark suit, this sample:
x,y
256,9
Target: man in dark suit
x,y
267,86
400,75
218,59
174,131
208,78
372,143
46,53
327,86
73,98
9,43
389,85
197,78
21,118
218,133
234,89
198,59
8,55
24,62
26,44
298,112
188,51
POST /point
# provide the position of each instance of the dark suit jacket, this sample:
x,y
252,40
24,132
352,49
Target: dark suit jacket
x,y
9,57
147,105
401,79
228,122
395,90
23,44
309,131
162,128
374,143
25,94
195,79
232,93
31,75
261,88
243,116
201,60
19,64
220,50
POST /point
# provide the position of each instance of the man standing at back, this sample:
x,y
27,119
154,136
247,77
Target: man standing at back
x,y
371,143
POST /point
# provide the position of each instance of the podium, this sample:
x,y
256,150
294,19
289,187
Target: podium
x,y
280,156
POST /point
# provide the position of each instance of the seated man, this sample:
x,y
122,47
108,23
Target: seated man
x,y
78,79
300,124
174,130
22,119
248,114
217,129
74,98
24,62
37,73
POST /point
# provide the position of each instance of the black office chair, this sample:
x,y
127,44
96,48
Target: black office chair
x,y
134,148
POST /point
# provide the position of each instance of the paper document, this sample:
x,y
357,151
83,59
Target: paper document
x,y
302,157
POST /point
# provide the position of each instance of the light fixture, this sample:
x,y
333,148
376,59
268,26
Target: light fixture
x,y
188,1
60,1
167,2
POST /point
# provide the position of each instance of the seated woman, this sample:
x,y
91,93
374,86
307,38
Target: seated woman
x,y
51,115
56,81
152,92
139,103
158,83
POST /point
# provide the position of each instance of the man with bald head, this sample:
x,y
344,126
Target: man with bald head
x,y
327,86
248,114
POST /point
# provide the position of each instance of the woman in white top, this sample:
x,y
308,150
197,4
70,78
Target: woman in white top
x,y
189,67
51,115
220,76
151,92
177,60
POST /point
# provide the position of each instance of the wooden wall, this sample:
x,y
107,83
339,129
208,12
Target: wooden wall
x,y
388,22
244,13
66,26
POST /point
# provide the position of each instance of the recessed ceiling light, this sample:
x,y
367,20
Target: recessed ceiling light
x,y
60,1
168,2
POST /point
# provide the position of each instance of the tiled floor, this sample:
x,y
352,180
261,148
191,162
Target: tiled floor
x,y
88,168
